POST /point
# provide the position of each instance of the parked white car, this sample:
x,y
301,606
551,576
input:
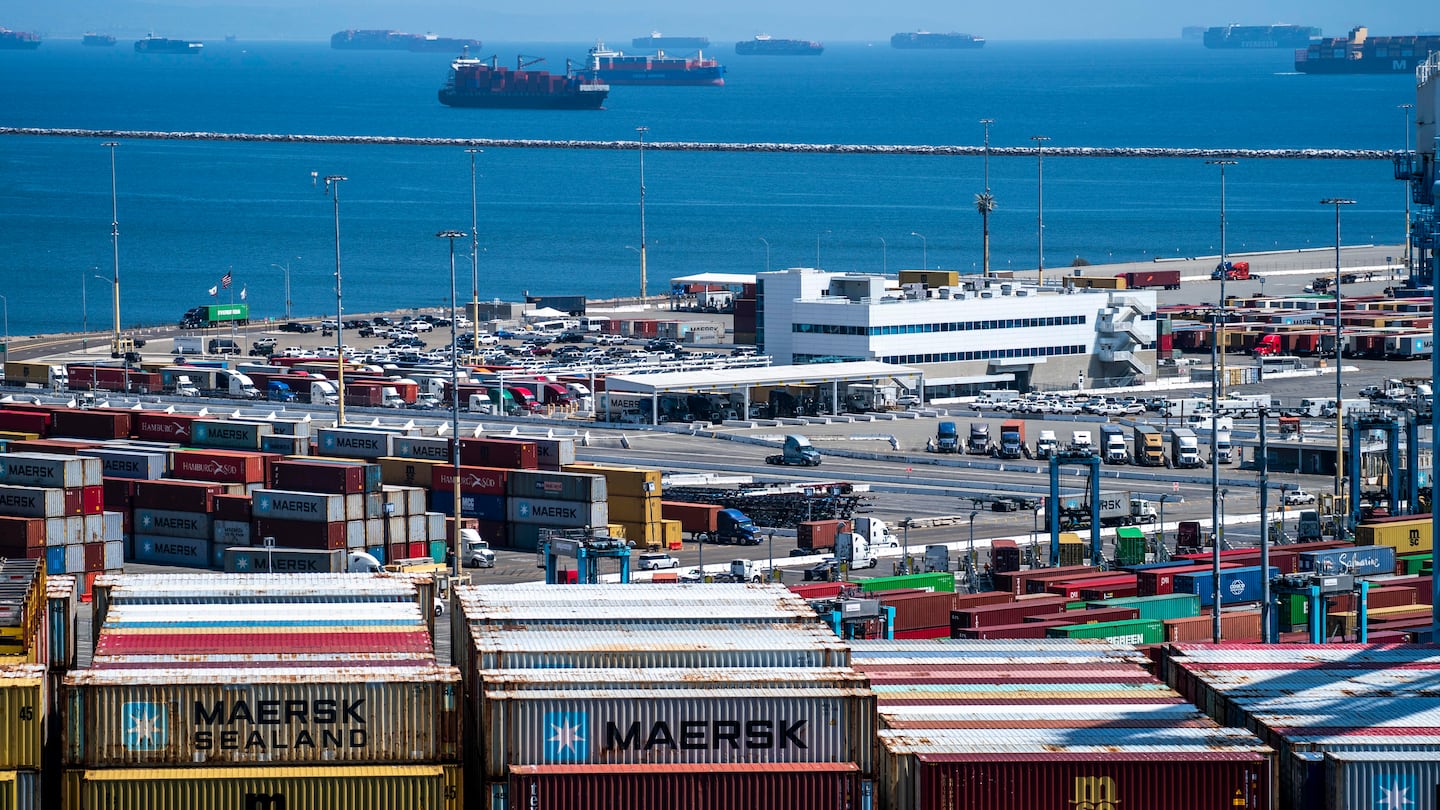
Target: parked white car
x,y
657,561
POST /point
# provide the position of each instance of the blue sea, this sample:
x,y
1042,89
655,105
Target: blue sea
x,y
566,221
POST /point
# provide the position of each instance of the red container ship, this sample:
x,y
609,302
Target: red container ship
x,y
614,67
482,83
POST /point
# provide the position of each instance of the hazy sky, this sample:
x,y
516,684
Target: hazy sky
x,y
582,20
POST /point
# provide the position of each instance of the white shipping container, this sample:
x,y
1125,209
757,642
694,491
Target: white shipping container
x,y
354,443
415,528
553,454
134,464
435,528
50,470
559,514
374,533
64,531
114,526
75,558
425,448
308,506
355,534
114,555
396,528
22,501
355,506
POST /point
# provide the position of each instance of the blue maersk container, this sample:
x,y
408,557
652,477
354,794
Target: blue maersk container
x,y
1237,585
1360,560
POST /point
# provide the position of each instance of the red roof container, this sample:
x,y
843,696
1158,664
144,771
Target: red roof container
x,y
759,786
177,496
1111,614
1234,626
969,600
301,533
25,421
118,492
1160,581
66,447
92,424
1020,630
822,590
1072,588
1015,582
221,466
21,533
473,480
318,476
1004,556
923,632
232,507
505,453
164,427
914,611
1004,613
1200,780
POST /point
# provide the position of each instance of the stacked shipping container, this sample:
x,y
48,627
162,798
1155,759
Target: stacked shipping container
x,y
52,507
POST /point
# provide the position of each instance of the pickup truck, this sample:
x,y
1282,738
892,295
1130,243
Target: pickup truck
x,y
1297,497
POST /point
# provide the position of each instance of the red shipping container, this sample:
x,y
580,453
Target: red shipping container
x,y
916,610
967,600
473,480
1015,582
1422,586
22,532
75,501
1021,630
1071,589
301,534
490,530
233,507
758,786
92,500
222,466
1234,626
1180,781
821,590
397,551
1160,581
508,454
819,534
1042,581
177,496
318,476
923,632
25,422
417,549
164,427
1094,594
118,492
92,424
1112,614
1379,597
1006,613
65,447
94,556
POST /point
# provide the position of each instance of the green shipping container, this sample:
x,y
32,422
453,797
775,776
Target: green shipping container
x,y
226,313
1129,546
938,581
1165,606
1134,631
437,550
1069,606
1294,612
1415,564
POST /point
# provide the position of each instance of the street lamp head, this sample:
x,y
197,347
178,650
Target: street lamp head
x,y
474,151
1222,163
451,234
1337,201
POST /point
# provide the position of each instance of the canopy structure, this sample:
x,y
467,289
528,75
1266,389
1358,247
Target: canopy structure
x,y
733,380
544,313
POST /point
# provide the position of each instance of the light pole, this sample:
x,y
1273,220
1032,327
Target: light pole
x,y
905,542
6,301
767,252
1339,403
454,395
970,570
332,184
1218,503
1040,208
642,131
474,256
115,246
1160,548
985,203
285,268
924,250
1224,276
818,237
1406,108
884,256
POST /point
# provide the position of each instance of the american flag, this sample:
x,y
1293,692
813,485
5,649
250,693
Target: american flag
x,y
225,280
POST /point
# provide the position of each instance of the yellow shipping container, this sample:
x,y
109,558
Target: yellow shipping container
x,y
407,472
672,536
20,790
931,278
22,716
1343,621
643,535
17,436
634,510
617,530
1405,536
1072,549
433,787
629,482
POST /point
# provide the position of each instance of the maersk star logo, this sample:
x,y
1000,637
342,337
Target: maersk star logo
x,y
262,503
201,432
566,737
147,726
523,509
328,442
1394,792
147,521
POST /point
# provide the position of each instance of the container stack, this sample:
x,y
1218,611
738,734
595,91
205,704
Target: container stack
x,y
1356,726
324,691
35,616
52,506
541,499
1049,724
635,495
735,693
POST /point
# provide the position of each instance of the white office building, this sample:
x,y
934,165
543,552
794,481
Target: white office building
x,y
995,334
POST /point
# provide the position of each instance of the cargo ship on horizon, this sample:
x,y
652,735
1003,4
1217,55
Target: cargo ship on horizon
x,y
353,39
766,45
1260,36
926,40
483,83
1361,53
94,40
18,40
614,67
154,44
657,41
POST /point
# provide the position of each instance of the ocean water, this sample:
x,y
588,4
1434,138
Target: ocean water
x,y
566,221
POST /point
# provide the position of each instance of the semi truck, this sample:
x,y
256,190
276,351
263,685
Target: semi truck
x,y
1012,439
947,438
209,315
31,373
979,442
1081,444
1140,279
1149,446
797,451
1224,449
1184,449
1046,444
1116,509
1113,449
710,523
1231,271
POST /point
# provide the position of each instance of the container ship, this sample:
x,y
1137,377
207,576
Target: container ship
x,y
379,40
18,40
614,67
925,40
1260,36
481,83
657,41
154,44
95,40
766,45
1362,53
